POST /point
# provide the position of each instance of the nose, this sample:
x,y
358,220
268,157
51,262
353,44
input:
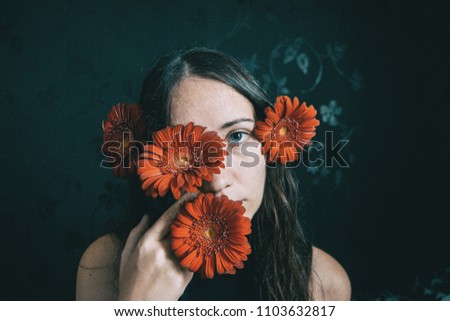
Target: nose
x,y
219,183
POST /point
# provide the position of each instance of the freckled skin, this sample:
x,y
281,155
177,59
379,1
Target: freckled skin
x,y
211,104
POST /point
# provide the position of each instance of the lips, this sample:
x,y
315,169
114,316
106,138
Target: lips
x,y
204,191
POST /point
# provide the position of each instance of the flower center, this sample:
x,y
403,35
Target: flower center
x,y
176,160
209,234
283,130
286,130
181,160
126,141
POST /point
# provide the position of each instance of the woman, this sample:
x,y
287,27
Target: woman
x,y
213,90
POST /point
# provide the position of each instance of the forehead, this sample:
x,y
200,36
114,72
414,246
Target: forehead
x,y
208,103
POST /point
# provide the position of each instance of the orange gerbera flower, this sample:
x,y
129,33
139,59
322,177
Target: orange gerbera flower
x,y
209,235
123,136
181,157
287,128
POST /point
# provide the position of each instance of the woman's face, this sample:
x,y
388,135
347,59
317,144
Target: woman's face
x,y
220,108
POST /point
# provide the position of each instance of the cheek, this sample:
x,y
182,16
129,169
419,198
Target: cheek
x,y
253,176
259,181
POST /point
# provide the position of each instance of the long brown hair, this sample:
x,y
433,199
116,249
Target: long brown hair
x,y
281,251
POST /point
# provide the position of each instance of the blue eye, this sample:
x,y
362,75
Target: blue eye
x,y
238,137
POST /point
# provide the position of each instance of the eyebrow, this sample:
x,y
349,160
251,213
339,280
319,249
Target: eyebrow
x,y
236,121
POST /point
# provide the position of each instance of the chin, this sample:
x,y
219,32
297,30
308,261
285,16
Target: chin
x,y
249,214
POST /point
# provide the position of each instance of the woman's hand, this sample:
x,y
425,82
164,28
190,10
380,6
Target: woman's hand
x,y
148,268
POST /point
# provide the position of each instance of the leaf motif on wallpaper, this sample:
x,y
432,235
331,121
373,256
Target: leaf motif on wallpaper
x,y
240,24
329,113
335,51
275,53
442,296
290,54
316,181
267,80
319,173
251,64
357,81
47,207
435,288
325,171
297,54
313,170
284,91
281,84
292,50
303,62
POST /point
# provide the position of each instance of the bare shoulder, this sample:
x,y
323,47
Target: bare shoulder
x,y
329,281
97,271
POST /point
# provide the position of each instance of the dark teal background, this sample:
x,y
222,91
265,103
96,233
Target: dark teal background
x,y
377,71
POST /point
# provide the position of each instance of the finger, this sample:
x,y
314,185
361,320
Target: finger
x,y
135,235
161,228
166,243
